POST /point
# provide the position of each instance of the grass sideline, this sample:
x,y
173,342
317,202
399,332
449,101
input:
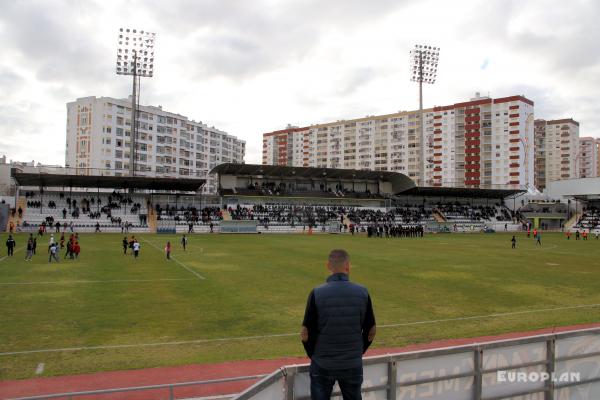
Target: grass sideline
x,y
257,285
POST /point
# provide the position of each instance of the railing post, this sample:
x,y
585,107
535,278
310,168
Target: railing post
x,y
478,376
171,395
550,367
392,378
289,379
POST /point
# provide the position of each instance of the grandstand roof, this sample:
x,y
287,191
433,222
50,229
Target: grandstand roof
x,y
399,181
460,192
109,182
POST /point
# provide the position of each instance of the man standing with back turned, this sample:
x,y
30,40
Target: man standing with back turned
x,y
338,327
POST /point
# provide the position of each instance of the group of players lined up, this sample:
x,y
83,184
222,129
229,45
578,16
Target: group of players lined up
x,y
393,231
72,247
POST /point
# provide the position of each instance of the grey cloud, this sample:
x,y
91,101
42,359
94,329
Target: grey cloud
x,y
57,50
248,38
355,79
568,41
10,81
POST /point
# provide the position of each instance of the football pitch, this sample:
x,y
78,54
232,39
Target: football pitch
x,y
234,297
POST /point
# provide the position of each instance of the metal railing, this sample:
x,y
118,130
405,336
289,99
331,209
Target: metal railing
x,y
469,371
168,387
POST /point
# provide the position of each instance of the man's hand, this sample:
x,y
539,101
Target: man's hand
x,y
372,333
304,334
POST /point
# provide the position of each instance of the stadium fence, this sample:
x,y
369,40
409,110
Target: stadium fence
x,y
466,372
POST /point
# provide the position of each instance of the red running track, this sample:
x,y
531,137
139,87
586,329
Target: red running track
x,y
197,372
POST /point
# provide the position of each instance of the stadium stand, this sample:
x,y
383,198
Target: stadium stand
x,y
99,203
590,219
279,199
278,196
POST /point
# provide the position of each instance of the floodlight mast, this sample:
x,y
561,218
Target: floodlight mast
x,y
424,62
138,45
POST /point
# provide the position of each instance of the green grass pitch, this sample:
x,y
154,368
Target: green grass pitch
x,y
256,285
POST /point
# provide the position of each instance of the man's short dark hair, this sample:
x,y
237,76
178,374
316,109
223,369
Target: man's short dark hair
x,y
338,258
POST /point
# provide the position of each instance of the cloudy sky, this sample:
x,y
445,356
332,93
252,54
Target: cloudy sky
x,y
249,67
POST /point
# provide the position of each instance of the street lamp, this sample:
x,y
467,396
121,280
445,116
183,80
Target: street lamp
x,y
135,57
424,61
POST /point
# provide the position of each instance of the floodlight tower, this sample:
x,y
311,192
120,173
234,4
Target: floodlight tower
x,y
424,62
135,57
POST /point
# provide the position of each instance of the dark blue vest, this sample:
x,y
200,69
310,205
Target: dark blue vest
x,y
341,307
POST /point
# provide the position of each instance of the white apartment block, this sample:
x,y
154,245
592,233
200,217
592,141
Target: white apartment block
x,y
382,143
588,155
485,143
167,144
562,150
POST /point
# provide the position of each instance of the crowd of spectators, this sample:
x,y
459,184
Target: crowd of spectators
x,y
458,211
290,188
189,214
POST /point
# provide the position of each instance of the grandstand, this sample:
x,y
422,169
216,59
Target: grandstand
x,y
280,200
288,197
105,203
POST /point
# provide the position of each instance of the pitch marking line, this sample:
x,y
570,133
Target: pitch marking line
x,y
84,281
177,261
16,251
278,335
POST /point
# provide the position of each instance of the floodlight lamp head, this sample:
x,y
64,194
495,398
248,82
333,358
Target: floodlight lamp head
x,y
424,61
135,52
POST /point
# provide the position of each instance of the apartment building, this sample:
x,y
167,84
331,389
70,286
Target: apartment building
x,y
540,154
558,149
167,144
384,143
480,143
598,157
588,157
285,147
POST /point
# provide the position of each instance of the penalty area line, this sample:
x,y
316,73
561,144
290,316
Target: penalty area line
x,y
279,335
177,261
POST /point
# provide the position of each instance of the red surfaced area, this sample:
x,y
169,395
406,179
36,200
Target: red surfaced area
x,y
197,372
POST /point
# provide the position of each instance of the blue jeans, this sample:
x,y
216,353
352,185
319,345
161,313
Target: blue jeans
x,y
322,381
